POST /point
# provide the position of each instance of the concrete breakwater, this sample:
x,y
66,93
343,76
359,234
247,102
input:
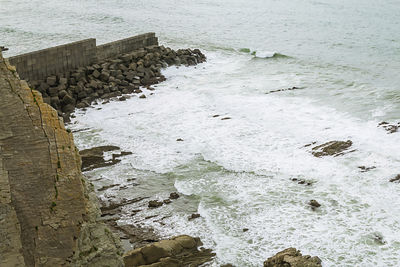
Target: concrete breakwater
x,y
108,74
40,64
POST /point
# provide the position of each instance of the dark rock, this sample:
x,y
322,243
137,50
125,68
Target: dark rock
x,y
63,81
68,108
167,201
47,100
179,140
82,104
332,148
52,80
245,229
123,153
67,99
226,118
310,144
174,195
107,187
96,74
155,204
313,203
365,169
55,102
62,93
53,91
43,87
122,98
301,181
194,216
82,95
104,76
390,128
292,257
142,96
395,179
92,158
286,89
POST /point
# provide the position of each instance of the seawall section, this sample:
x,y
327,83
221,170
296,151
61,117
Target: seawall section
x,y
40,64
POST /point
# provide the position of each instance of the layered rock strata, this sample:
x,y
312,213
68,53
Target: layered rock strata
x,y
48,211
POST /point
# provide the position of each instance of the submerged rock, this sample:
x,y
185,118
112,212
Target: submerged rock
x,y
292,257
177,251
314,204
366,169
174,195
155,204
395,179
332,148
286,89
390,128
194,216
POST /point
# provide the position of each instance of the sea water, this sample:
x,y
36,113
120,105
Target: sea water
x,y
344,56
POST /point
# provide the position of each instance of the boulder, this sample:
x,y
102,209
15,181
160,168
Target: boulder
x,y
67,99
174,195
96,73
52,80
155,204
53,91
292,257
177,251
104,76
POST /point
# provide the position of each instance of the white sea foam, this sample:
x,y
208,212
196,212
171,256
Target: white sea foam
x,y
239,169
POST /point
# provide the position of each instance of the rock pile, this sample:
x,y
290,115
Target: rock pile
x,y
177,251
292,257
112,78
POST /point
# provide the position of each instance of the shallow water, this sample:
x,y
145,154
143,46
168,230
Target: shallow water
x,y
344,55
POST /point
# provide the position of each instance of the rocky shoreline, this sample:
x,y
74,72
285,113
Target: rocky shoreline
x,y
73,229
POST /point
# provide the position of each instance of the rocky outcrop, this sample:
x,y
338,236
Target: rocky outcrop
x,y
390,127
48,210
175,252
332,148
292,257
93,158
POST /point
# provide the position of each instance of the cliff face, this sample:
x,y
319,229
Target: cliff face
x,y
48,212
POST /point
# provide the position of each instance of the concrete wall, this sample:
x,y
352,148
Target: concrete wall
x,y
126,45
60,59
